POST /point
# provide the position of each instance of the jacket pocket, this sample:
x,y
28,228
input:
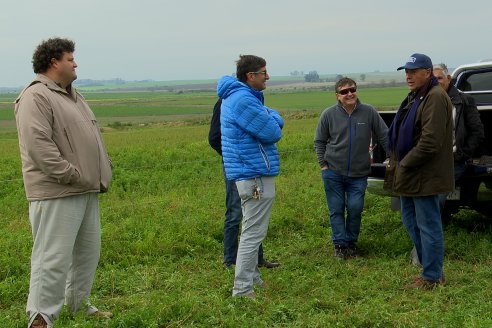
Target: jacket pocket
x,y
265,156
68,140
84,154
245,189
407,180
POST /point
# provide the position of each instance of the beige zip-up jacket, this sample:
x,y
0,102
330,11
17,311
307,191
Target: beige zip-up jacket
x,y
61,146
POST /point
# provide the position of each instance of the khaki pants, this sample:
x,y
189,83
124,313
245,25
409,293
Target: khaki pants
x,y
67,243
256,216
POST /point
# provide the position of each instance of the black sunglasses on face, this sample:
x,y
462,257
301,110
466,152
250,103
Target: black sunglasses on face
x,y
346,91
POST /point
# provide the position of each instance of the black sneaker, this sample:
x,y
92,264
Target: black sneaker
x,y
352,250
340,252
268,265
229,265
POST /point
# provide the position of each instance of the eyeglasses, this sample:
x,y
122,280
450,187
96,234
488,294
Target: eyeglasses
x,y
344,92
259,72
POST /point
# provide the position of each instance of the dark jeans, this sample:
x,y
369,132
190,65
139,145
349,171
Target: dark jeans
x,y
233,218
343,192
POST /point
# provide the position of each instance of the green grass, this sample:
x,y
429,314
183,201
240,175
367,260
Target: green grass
x,y
381,98
162,224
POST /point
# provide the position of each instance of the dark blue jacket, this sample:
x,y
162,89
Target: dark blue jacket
x,y
214,132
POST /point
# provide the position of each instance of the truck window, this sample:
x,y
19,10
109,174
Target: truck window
x,y
478,85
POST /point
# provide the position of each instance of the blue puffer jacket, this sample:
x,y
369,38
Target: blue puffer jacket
x,y
249,131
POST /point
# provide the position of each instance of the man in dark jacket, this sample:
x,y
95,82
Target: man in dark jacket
x,y
468,129
468,134
420,144
233,214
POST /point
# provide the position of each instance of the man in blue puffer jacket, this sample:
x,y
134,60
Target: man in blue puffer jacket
x,y
249,133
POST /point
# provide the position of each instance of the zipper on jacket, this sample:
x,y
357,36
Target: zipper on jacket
x,y
350,144
265,157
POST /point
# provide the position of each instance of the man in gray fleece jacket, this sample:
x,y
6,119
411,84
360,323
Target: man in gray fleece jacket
x,y
342,142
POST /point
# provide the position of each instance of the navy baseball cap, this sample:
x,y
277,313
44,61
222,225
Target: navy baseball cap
x,y
417,61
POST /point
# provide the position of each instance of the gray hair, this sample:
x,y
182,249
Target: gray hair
x,y
441,67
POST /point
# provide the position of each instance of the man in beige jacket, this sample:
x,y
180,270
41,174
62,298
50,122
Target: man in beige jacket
x,y
64,166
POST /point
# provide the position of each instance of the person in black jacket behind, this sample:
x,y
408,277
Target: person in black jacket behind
x,y
468,129
233,214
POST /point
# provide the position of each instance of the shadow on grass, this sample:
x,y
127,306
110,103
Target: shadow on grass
x,y
470,221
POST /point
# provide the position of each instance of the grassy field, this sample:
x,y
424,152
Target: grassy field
x,y
138,107
162,222
369,77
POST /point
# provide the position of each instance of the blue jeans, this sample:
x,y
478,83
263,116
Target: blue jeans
x,y
422,218
233,218
344,192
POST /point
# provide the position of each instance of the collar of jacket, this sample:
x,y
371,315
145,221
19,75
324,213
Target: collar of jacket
x,y
258,94
50,84
454,94
229,84
340,106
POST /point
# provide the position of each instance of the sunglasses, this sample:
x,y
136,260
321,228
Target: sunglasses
x,y
346,91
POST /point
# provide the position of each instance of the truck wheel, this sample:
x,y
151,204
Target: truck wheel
x,y
484,209
449,209
446,216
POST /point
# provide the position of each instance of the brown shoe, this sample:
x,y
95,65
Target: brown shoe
x,y
268,265
261,284
421,283
102,314
39,322
251,294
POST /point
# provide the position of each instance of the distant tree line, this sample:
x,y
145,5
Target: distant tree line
x,y
94,83
297,73
313,76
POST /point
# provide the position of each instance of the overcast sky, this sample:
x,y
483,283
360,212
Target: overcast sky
x,y
201,39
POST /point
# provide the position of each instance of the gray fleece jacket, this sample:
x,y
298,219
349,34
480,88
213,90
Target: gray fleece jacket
x,y
342,141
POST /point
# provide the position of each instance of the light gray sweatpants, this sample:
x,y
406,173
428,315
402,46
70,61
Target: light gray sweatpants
x,y
67,243
256,216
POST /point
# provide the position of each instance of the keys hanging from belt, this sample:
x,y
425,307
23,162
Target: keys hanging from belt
x,y
256,191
